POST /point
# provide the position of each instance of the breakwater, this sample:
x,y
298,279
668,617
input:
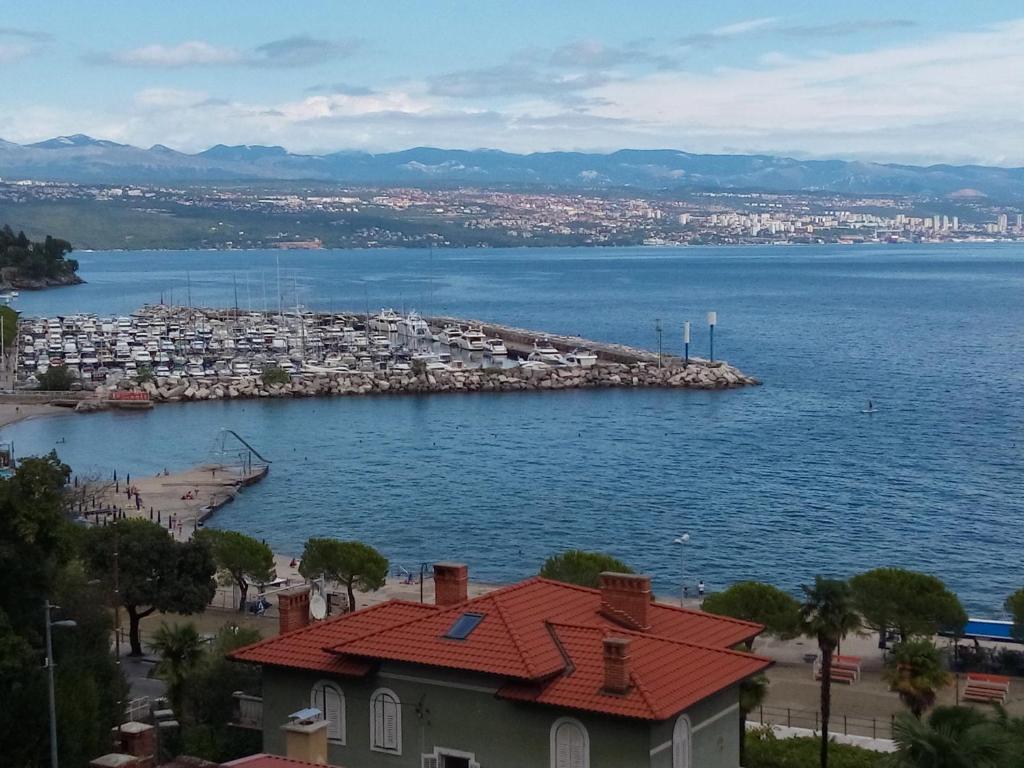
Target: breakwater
x,y
638,375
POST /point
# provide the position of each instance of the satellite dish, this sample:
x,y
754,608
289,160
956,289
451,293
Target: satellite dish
x,y
317,607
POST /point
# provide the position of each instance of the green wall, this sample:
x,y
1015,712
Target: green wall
x,y
459,711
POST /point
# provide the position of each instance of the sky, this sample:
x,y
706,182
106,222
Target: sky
x,y
916,82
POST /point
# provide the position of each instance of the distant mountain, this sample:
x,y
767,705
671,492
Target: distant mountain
x,y
81,158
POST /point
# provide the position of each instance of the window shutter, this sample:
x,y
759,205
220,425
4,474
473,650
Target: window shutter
x,y
576,748
429,761
390,727
334,712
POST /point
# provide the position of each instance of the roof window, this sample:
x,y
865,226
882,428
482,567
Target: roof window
x,y
464,626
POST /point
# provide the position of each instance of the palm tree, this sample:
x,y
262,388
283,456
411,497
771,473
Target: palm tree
x,y
827,615
916,672
952,737
753,692
180,649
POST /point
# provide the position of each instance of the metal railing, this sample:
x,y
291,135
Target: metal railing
x,y
137,710
848,725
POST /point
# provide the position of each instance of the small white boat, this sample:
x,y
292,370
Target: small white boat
x,y
414,327
545,353
495,347
584,358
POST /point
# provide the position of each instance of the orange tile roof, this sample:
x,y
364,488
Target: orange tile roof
x,y
543,637
667,676
305,648
270,761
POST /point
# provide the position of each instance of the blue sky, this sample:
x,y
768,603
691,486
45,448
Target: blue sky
x,y
936,81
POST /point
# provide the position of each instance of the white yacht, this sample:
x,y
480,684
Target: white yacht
x,y
450,335
414,327
545,353
386,321
472,339
495,347
584,358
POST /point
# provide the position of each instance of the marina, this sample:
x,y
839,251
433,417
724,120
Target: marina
x,y
163,352
790,477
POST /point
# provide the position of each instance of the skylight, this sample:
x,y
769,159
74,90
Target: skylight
x,y
464,626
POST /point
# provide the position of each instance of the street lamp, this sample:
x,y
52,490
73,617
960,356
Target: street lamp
x,y
50,623
712,322
681,541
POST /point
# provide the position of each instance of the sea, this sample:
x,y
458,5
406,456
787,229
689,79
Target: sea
x,y
776,483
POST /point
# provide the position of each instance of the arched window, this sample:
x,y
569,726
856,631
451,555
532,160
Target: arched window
x,y
328,698
681,743
385,722
570,744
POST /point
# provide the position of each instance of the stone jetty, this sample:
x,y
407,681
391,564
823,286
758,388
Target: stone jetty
x,y
701,375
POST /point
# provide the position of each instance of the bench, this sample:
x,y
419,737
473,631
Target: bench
x,y
845,669
987,689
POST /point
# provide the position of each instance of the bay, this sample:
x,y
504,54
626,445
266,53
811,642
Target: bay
x,y
775,483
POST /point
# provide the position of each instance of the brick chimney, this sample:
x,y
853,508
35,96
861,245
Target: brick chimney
x,y
616,665
306,738
626,599
451,583
139,740
293,609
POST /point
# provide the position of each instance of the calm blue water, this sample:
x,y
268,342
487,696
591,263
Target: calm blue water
x,y
774,483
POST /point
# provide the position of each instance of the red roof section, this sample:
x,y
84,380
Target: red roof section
x,y
305,648
271,761
514,640
667,676
543,638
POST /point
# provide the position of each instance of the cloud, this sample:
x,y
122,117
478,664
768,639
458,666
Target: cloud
x,y
593,54
302,51
296,51
846,28
715,36
192,53
25,34
511,79
345,89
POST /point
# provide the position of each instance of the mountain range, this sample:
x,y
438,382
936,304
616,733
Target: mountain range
x,y
80,158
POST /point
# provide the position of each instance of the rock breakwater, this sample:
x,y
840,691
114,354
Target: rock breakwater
x,y
693,376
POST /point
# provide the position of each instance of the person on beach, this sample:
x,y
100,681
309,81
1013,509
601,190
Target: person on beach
x,y
700,589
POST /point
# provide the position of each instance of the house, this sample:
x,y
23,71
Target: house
x,y
537,674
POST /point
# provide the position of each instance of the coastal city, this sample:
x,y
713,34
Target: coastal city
x,y
243,216
552,385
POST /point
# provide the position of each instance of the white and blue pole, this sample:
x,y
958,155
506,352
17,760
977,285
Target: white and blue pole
x,y
712,322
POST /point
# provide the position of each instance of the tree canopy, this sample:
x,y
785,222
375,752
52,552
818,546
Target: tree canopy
x,y
762,603
1015,606
37,548
156,572
240,558
916,672
576,566
913,603
35,259
352,563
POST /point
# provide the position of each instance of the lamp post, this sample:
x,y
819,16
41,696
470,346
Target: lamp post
x,y
50,623
681,541
686,343
712,322
657,329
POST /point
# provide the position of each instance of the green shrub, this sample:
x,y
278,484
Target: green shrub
x,y
56,379
764,750
10,325
275,375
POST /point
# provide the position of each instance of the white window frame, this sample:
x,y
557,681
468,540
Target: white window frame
x,y
682,754
342,725
554,740
435,759
373,722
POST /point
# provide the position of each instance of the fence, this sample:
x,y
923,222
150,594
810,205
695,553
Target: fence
x,y
848,725
137,709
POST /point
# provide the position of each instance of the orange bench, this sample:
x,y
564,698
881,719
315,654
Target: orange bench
x,y
987,689
845,669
